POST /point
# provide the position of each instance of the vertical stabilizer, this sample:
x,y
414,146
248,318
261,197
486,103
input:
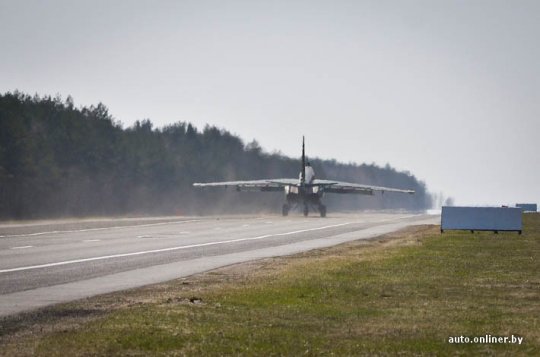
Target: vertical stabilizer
x,y
303,177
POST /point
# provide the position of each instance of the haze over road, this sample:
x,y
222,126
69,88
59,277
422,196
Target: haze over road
x,y
47,263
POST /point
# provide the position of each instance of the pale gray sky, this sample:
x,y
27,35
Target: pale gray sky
x,y
449,90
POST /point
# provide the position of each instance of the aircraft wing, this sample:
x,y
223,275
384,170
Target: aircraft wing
x,y
330,186
347,187
253,185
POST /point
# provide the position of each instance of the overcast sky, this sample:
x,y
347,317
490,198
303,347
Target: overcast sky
x,y
448,90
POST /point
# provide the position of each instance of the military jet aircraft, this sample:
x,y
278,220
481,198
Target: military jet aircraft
x,y
306,191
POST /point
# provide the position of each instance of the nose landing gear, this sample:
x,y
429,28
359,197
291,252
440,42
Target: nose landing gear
x,y
322,210
285,210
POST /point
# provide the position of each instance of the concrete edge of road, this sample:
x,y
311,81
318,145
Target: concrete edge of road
x,y
33,299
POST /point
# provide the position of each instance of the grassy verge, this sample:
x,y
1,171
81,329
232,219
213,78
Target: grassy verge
x,y
405,293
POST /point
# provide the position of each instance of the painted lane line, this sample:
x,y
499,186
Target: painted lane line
x,y
99,229
48,265
23,247
92,240
393,219
184,232
245,225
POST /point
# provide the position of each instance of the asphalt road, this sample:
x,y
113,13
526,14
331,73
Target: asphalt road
x,y
44,263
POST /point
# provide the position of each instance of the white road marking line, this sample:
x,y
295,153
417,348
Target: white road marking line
x,y
48,265
184,232
269,222
23,247
393,219
92,240
99,229
145,236
245,225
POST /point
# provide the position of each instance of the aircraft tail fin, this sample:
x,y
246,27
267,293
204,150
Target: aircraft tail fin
x,y
303,178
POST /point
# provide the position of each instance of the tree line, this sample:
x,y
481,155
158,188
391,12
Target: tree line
x,y
59,160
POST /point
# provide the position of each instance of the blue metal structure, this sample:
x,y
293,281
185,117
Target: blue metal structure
x,y
481,219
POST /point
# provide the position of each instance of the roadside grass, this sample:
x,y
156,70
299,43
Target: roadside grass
x,y
405,293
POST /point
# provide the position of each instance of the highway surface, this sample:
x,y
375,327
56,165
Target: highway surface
x,y
45,263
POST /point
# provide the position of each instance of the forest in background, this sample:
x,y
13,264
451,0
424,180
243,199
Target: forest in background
x,y
58,160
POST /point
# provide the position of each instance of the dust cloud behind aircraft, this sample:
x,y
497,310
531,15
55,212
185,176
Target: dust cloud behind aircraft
x,y
306,191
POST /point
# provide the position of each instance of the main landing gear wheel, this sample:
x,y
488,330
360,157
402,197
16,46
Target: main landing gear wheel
x,y
285,209
306,210
322,210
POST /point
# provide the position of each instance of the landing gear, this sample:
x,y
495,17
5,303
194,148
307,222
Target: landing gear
x,y
322,210
303,204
